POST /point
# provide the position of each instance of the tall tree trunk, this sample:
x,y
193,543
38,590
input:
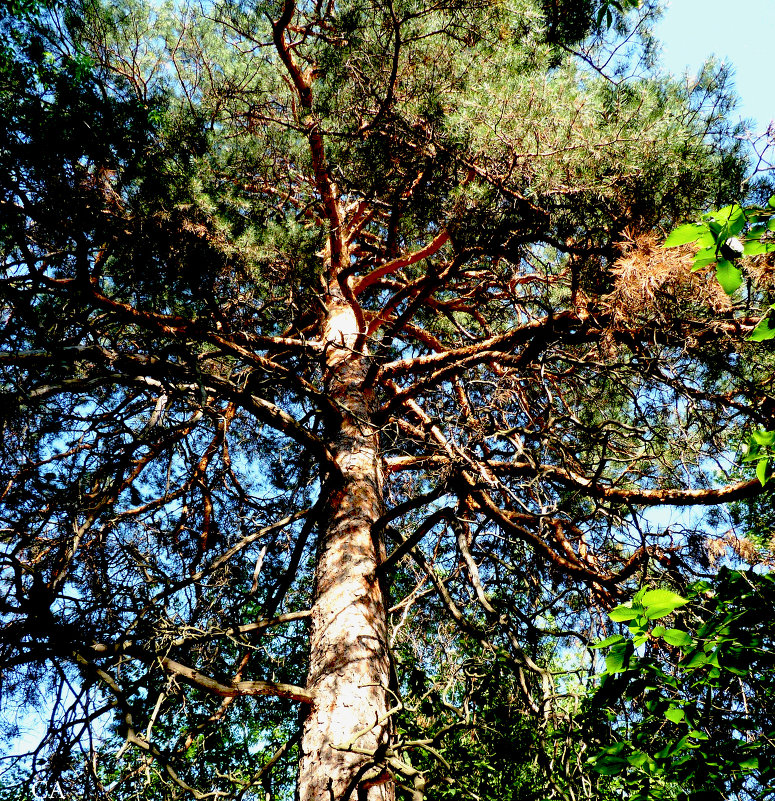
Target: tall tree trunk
x,y
349,663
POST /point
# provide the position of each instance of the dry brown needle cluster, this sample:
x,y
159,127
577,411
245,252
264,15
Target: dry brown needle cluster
x,y
651,279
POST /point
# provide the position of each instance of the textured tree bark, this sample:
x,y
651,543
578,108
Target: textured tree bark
x,y
349,664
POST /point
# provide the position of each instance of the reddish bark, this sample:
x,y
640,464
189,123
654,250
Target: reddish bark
x,y
349,663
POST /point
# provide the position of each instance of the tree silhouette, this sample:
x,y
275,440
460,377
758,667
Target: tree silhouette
x,y
339,364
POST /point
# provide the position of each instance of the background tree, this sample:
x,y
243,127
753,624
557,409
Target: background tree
x,y
339,366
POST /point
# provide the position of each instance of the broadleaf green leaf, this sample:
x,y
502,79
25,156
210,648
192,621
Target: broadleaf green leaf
x,y
685,234
639,759
755,247
765,438
612,640
620,614
706,241
659,603
728,276
677,637
733,219
661,596
764,330
674,714
612,750
715,228
618,660
704,258
610,767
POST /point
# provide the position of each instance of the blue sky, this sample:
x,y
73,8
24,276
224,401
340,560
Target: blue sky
x,y
740,32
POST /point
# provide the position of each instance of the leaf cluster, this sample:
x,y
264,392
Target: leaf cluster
x,y
696,698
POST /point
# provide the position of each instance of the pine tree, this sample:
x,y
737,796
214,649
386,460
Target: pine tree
x,y
340,361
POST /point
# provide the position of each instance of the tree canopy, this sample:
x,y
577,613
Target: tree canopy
x,y
346,388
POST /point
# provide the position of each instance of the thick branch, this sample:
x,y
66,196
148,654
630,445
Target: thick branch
x,y
668,496
572,567
302,82
202,680
499,343
236,688
402,261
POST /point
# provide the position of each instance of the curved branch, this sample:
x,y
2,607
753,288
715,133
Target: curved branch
x,y
236,688
669,496
302,82
402,261
656,497
572,567
202,680
499,343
